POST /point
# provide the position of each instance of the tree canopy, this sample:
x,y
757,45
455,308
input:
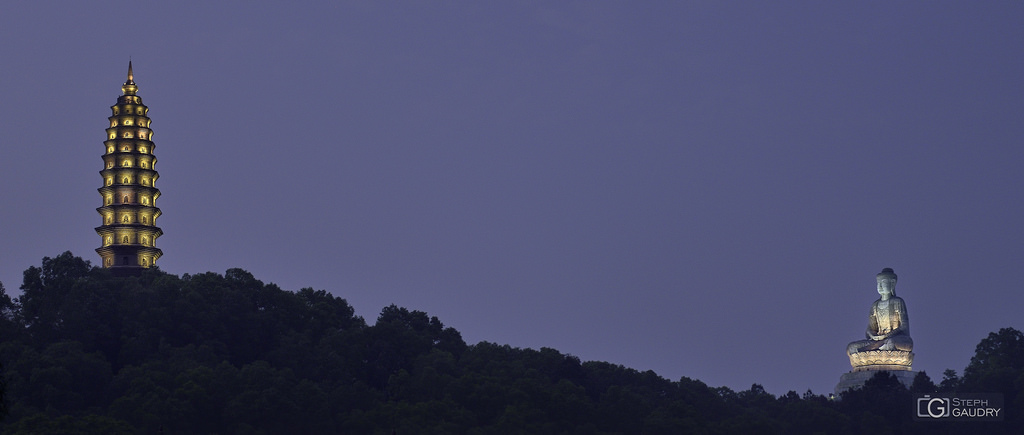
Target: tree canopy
x,y
86,352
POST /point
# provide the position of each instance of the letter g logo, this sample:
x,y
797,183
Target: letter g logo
x,y
938,408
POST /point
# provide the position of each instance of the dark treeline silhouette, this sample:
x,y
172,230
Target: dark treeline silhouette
x,y
86,352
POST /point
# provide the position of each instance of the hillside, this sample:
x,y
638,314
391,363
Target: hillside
x,y
86,352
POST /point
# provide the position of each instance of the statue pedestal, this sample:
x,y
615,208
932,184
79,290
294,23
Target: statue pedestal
x,y
866,364
856,379
882,360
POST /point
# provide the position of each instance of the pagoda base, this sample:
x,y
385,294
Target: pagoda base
x,y
123,271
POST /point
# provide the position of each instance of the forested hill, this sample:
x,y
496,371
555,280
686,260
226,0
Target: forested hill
x,y
85,352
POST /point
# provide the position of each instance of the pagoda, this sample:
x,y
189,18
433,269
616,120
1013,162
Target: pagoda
x,y
128,231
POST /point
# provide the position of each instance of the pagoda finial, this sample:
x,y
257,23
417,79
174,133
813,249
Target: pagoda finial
x,y
129,87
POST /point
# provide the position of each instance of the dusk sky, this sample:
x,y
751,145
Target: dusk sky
x,y
702,189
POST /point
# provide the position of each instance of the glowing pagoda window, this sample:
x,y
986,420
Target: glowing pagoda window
x,y
143,261
126,220
109,220
109,200
126,182
142,135
125,240
110,149
126,149
110,181
107,261
110,165
111,136
125,200
107,241
127,135
143,165
145,201
127,122
145,220
113,123
142,149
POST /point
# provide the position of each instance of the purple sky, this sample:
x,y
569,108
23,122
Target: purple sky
x,y
704,189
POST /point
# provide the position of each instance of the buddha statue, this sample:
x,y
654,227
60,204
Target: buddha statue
x,y
888,329
887,346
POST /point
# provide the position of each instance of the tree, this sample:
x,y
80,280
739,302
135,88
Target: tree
x,y
45,290
950,381
998,366
400,335
1000,351
10,328
3,394
922,384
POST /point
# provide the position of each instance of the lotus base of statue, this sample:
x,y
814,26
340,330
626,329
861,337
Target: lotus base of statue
x,y
889,360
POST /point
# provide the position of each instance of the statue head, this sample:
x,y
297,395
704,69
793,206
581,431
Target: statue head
x,y
886,282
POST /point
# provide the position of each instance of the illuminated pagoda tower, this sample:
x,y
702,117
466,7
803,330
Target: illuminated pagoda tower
x,y
128,232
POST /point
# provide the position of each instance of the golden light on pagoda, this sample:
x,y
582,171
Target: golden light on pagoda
x,y
128,230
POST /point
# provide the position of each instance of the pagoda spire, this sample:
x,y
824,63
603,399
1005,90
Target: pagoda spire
x,y
129,88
